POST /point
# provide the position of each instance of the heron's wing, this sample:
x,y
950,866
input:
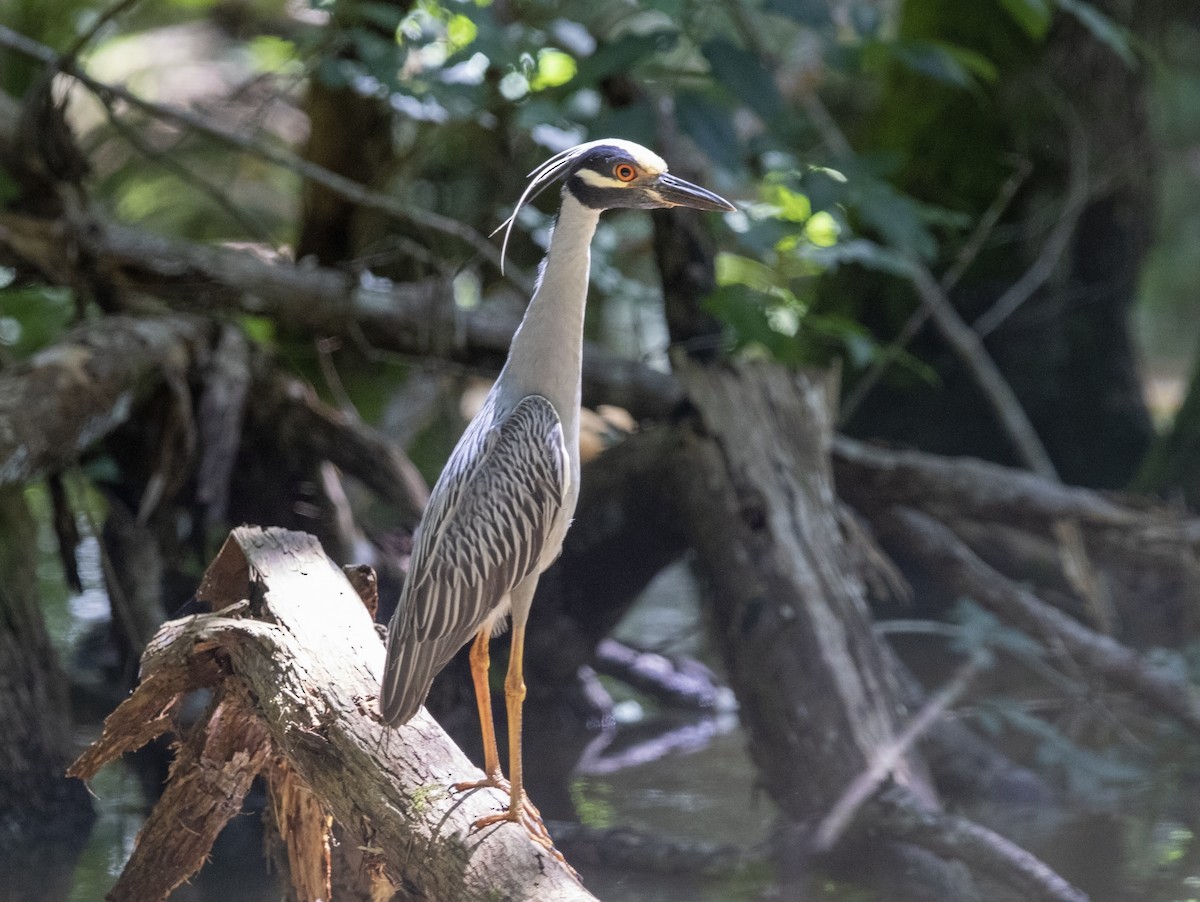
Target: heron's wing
x,y
488,520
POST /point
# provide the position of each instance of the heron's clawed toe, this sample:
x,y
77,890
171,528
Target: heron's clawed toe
x,y
492,781
528,816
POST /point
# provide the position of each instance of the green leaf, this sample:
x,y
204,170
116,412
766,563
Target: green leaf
x,y
813,13
745,77
625,52
32,317
974,62
756,322
710,125
895,216
1034,16
734,269
788,205
862,252
822,229
944,62
825,188
460,31
1103,29
272,54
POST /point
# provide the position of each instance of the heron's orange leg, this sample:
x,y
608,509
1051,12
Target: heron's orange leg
x,y
520,809
480,664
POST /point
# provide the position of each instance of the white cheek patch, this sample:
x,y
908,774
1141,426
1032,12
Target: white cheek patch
x,y
594,179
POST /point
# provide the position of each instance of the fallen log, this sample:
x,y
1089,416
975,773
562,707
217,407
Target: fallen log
x,y
292,659
54,405
417,318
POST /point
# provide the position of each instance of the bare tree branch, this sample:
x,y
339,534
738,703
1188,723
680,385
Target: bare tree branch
x,y
871,477
413,319
295,673
920,316
834,824
56,404
1055,244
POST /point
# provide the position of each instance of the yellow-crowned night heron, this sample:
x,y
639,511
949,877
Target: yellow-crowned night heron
x,y
498,513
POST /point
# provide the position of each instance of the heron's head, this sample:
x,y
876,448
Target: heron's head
x,y
613,173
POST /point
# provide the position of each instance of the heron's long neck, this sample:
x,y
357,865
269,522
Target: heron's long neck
x,y
547,349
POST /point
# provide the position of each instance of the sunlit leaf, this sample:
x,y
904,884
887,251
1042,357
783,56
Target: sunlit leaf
x,y
460,31
554,68
734,269
273,54
822,229
789,205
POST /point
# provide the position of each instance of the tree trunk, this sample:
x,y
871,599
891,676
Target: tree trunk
x,y
38,804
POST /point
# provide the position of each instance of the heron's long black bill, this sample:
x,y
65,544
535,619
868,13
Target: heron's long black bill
x,y
681,193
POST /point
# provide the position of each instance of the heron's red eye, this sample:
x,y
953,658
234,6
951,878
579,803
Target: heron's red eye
x,y
625,172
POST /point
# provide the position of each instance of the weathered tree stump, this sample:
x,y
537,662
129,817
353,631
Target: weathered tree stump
x,y
293,661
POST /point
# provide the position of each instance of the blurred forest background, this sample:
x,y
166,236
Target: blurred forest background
x,y
246,276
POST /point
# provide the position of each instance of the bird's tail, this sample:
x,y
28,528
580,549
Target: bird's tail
x,y
408,671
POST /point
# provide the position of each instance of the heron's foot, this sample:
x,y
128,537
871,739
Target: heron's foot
x,y
527,816
491,781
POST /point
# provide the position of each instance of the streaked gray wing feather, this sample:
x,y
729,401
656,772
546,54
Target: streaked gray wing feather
x,y
483,532
488,530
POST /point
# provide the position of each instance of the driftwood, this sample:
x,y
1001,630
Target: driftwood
x,y
292,659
